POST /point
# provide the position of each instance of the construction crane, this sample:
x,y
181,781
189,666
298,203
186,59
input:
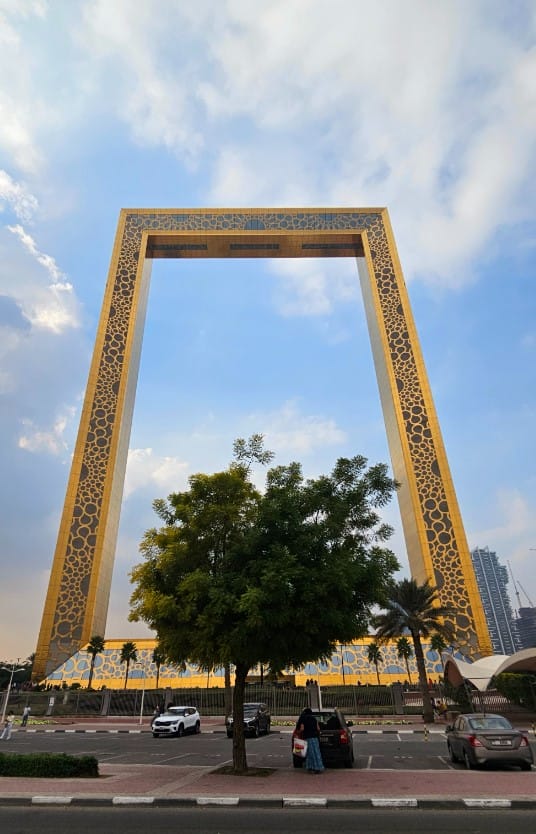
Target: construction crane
x,y
518,585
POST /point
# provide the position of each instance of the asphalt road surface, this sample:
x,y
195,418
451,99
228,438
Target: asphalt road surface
x,y
379,751
260,821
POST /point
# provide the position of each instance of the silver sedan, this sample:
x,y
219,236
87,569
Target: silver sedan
x,y
479,738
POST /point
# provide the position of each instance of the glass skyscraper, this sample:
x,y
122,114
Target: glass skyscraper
x,y
492,581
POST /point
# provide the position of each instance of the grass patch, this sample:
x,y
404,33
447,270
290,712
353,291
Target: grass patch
x,y
51,765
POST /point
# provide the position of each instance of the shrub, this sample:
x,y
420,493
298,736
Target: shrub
x,y
519,688
53,765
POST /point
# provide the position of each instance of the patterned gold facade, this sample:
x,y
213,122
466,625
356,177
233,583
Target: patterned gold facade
x,y
77,598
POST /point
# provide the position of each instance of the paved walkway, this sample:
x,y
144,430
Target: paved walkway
x,y
160,784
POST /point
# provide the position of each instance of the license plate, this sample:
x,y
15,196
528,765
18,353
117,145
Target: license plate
x,y
325,739
501,742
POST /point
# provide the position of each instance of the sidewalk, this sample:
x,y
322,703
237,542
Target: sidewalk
x,y
121,784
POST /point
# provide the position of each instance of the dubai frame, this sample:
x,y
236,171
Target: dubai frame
x,y
77,599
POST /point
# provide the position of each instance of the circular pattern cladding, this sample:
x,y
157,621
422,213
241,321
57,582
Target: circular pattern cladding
x,y
95,469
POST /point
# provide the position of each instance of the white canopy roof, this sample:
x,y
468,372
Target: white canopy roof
x,y
482,671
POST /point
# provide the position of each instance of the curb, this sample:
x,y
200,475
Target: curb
x,y
462,803
147,731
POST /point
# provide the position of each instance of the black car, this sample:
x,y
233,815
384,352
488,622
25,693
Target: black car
x,y
257,720
336,741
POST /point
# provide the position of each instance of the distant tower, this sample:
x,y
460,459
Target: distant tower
x,y
492,581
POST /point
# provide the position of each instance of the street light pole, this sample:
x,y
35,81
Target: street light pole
x,y
12,669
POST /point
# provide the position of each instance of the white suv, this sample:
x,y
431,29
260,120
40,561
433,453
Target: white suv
x,y
176,721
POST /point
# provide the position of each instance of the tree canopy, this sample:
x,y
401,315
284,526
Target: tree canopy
x,y
240,577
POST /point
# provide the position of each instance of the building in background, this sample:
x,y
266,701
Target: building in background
x,y
526,627
492,581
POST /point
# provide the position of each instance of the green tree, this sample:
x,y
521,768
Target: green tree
x,y
128,655
158,659
232,572
94,648
438,643
415,609
375,656
404,650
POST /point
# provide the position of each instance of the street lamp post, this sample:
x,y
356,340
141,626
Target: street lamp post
x,y
12,669
143,689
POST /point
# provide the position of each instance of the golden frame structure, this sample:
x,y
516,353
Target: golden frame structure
x,y
76,604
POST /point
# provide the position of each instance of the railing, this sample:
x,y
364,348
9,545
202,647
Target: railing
x,y
366,701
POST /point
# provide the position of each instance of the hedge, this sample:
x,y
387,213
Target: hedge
x,y
53,765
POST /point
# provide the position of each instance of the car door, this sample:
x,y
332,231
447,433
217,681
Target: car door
x,y
189,718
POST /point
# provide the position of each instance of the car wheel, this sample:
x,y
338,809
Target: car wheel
x,y
454,759
229,734
297,762
156,735
198,726
526,766
267,730
467,760
349,762
180,731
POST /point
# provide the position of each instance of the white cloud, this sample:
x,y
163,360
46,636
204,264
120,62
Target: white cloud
x,y
516,523
17,196
144,468
52,440
311,286
288,431
53,308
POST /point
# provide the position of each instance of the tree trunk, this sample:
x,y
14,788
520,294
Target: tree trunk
x,y
378,674
90,681
228,698
427,711
240,764
407,669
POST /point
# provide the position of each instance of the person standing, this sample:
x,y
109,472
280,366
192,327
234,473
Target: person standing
x,y
25,715
8,726
310,731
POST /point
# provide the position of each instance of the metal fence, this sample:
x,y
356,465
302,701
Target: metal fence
x,y
366,701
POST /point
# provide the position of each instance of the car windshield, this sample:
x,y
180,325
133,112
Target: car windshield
x,y
495,722
176,711
249,708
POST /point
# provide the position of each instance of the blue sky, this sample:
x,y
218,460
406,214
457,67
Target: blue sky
x,y
426,108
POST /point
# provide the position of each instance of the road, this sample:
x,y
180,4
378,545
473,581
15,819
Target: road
x,y
407,751
269,821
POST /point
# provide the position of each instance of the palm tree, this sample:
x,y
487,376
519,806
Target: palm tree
x,y
415,609
438,643
128,654
404,650
374,655
158,659
94,647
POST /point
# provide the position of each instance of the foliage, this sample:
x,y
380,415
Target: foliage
x,y
438,643
157,658
459,695
519,688
128,655
94,647
375,656
52,765
415,609
243,578
405,652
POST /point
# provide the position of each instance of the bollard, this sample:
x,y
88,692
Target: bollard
x,y
426,734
